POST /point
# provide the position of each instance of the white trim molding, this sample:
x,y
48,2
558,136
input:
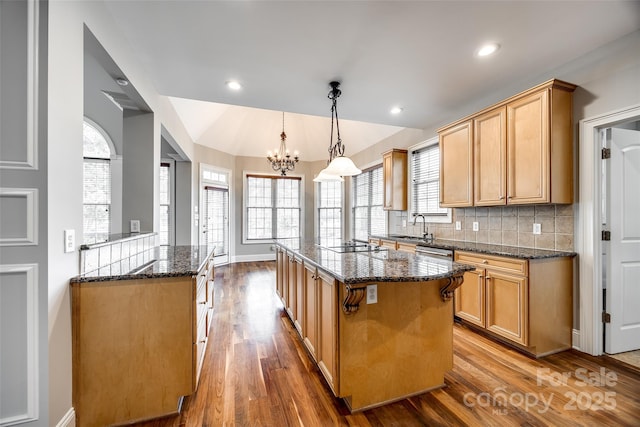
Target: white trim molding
x,y
30,162
588,245
30,271
69,419
30,237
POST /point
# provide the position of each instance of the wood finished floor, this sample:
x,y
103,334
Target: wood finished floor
x,y
256,372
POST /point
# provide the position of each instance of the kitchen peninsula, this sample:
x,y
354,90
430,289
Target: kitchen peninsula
x,y
139,335
378,322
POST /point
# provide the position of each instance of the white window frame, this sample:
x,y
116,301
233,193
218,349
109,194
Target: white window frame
x,y
246,241
316,225
411,215
172,196
366,169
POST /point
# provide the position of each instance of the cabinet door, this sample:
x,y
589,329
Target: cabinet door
x,y
507,306
327,326
469,300
528,149
394,178
490,161
310,310
280,257
391,244
291,288
456,166
299,320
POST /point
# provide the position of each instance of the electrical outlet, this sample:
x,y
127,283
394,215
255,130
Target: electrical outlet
x,y
134,226
404,223
69,240
476,226
372,294
537,229
458,225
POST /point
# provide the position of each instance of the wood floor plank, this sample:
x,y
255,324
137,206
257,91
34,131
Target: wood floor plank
x,y
257,372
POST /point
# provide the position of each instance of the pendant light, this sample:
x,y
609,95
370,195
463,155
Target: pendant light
x,y
281,160
339,165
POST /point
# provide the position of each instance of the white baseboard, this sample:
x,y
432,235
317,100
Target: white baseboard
x,y
251,258
69,419
575,340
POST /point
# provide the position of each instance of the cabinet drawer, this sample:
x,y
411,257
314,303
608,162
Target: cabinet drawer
x,y
511,265
391,244
406,247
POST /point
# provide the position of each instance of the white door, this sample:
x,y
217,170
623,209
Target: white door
x,y
215,222
623,281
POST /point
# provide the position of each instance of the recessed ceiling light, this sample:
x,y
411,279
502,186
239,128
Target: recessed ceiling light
x,y
234,85
396,110
488,49
121,81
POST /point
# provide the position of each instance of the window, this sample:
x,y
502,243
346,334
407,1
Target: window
x,y
425,183
96,200
165,204
368,215
272,208
329,230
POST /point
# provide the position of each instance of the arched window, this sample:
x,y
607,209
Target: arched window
x,y
97,184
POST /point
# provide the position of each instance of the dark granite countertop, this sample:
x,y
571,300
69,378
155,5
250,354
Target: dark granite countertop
x,y
380,266
165,261
458,245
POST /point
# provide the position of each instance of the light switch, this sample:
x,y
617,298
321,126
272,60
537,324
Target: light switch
x,y
134,226
458,225
69,240
476,226
372,294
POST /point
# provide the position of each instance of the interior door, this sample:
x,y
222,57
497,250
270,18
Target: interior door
x,y
623,284
216,222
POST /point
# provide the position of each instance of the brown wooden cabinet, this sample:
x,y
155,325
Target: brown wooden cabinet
x,y
138,345
527,302
456,165
290,300
310,337
394,177
281,262
490,158
391,244
522,151
328,328
300,287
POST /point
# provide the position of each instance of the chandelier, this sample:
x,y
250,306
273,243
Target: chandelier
x,y
338,165
281,160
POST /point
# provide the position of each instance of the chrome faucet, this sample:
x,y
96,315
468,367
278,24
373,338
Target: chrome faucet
x,y
425,230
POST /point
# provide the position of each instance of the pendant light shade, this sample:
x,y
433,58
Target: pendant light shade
x,y
325,176
343,166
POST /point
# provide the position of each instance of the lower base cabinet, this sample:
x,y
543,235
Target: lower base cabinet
x,y
138,345
527,303
379,353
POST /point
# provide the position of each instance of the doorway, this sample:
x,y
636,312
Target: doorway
x,y
621,237
215,212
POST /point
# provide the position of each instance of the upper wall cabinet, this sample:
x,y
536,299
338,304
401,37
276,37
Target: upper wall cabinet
x,y
522,151
456,165
394,177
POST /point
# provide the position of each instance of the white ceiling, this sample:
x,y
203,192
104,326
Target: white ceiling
x,y
415,54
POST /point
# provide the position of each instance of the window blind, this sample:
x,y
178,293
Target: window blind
x,y
425,181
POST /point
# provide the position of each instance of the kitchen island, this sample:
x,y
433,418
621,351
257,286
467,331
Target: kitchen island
x,y
139,335
378,322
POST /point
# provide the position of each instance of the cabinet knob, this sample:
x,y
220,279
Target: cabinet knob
x,y
203,341
203,302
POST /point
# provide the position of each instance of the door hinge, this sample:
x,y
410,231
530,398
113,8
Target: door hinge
x,y
606,235
606,153
606,317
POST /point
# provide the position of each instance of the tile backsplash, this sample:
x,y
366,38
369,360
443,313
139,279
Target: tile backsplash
x,y
502,225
